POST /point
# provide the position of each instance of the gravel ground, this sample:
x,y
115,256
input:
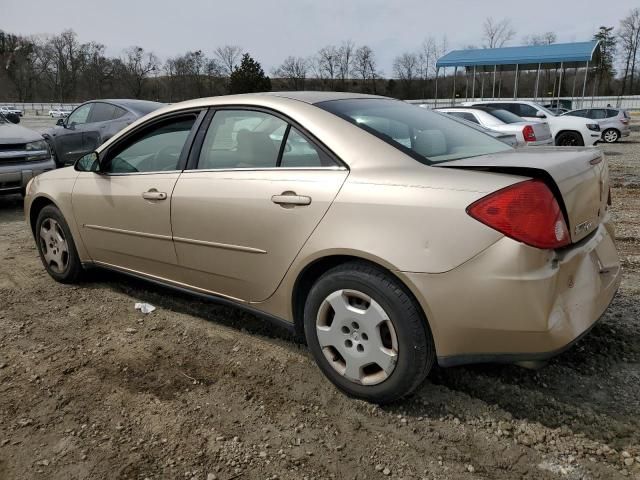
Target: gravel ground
x,y
92,389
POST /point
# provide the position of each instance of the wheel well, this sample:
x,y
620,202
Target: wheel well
x,y
612,128
315,270
36,207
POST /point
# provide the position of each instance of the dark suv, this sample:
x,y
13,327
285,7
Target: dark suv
x,y
91,124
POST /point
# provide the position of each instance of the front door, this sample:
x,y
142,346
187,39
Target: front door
x,y
68,140
124,212
243,213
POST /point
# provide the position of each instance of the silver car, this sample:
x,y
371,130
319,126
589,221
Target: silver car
x,y
23,155
614,122
527,132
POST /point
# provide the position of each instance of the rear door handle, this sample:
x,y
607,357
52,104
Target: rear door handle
x,y
154,194
291,199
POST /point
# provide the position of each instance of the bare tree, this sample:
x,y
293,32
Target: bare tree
x,y
327,64
406,69
137,65
294,71
364,65
547,38
497,33
228,55
629,35
345,62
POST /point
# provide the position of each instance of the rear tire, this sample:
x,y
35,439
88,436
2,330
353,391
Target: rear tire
x,y
56,246
367,334
610,135
569,139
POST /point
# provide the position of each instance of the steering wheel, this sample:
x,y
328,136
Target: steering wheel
x,y
164,159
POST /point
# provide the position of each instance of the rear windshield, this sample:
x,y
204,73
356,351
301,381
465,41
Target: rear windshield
x,y
424,135
505,116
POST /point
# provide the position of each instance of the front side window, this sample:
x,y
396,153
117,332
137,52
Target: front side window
x,y
80,115
505,116
578,113
157,149
242,139
526,110
424,135
598,113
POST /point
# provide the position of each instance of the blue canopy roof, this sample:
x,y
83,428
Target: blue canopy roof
x,y
529,55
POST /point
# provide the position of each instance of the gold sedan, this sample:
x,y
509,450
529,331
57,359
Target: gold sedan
x,y
389,236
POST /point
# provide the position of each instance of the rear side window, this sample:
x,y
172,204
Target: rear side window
x,y
612,113
242,139
118,112
300,152
597,113
101,112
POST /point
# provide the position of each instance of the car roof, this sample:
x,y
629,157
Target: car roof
x,y
137,106
313,97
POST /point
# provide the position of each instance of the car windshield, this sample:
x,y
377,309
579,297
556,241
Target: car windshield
x,y
424,135
505,116
546,110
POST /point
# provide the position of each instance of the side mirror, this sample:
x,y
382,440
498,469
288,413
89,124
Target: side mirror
x,y
13,117
60,122
540,114
89,163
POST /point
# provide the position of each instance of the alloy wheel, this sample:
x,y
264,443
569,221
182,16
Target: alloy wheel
x,y
357,337
610,136
55,249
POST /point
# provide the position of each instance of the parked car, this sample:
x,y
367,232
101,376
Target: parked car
x,y
508,138
527,132
363,241
59,113
91,124
5,110
23,155
566,131
614,122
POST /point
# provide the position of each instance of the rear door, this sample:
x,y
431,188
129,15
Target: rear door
x,y
256,188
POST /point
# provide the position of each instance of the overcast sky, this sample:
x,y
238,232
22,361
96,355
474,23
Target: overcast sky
x,y
272,30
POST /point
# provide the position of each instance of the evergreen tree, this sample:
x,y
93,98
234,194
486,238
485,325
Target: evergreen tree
x,y
604,66
249,77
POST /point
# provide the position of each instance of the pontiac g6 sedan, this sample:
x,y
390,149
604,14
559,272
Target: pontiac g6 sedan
x,y
391,237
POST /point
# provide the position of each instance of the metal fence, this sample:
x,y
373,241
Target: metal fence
x,y
629,102
40,108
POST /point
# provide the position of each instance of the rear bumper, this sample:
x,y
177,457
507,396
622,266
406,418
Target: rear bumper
x,y
540,143
514,303
14,177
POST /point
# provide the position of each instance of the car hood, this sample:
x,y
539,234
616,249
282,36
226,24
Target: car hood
x,y
11,133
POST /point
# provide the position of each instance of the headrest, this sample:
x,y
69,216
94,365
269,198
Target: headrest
x,y
430,143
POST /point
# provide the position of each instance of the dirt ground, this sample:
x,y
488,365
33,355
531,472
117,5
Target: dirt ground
x,y
92,389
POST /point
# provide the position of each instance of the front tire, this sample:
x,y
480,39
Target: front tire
x,y
569,139
56,246
610,135
367,334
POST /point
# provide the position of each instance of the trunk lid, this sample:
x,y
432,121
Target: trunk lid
x,y
578,177
541,130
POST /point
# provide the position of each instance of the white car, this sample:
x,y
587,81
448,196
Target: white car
x,y
7,110
58,113
531,133
566,130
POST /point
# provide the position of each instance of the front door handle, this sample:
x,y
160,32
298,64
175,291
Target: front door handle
x,y
154,194
291,199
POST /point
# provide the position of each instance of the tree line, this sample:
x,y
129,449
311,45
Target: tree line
x,y
60,68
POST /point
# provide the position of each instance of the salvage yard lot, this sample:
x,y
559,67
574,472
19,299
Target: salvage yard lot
x,y
91,388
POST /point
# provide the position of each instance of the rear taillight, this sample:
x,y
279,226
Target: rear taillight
x,y
527,212
624,121
529,134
